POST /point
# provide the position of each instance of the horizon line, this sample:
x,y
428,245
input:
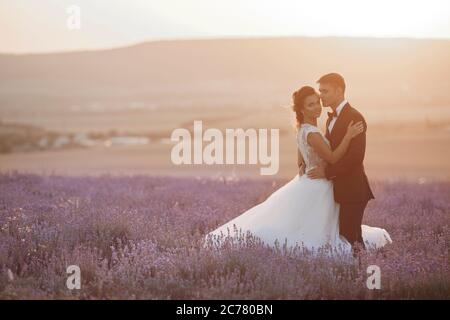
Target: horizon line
x,y
210,38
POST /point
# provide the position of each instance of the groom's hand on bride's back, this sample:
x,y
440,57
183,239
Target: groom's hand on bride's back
x,y
317,173
301,169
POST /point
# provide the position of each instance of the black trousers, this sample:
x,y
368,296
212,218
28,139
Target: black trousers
x,y
350,219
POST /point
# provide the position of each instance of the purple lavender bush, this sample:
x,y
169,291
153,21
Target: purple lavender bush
x,y
140,237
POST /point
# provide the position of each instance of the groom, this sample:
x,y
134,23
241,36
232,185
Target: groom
x,y
351,187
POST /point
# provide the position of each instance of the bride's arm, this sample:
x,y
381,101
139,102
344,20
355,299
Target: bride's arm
x,y
316,141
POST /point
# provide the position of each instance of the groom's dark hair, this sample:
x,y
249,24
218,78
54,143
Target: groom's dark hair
x,y
335,79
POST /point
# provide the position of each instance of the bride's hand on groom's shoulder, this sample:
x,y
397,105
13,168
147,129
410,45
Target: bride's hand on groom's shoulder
x,y
354,129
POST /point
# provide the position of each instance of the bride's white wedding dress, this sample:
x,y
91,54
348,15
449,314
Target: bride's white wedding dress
x,y
301,212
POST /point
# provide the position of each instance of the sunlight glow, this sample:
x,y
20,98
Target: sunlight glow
x,y
37,25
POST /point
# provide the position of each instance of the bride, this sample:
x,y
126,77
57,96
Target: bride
x,y
303,212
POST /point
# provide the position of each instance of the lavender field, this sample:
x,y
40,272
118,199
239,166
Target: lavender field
x,y
139,237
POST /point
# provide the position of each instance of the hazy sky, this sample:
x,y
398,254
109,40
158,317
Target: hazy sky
x,y
41,25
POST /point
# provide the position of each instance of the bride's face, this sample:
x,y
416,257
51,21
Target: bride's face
x,y
312,107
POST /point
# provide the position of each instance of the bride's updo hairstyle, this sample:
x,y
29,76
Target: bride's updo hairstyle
x,y
298,97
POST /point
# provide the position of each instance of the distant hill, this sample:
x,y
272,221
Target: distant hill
x,y
248,71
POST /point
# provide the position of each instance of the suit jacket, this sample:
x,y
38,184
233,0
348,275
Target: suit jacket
x,y
348,175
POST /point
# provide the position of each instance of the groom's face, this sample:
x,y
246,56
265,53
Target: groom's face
x,y
328,94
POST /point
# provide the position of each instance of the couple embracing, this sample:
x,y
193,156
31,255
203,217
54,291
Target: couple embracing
x,y
324,204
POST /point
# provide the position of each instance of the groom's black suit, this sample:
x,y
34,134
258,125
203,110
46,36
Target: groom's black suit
x,y
351,187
